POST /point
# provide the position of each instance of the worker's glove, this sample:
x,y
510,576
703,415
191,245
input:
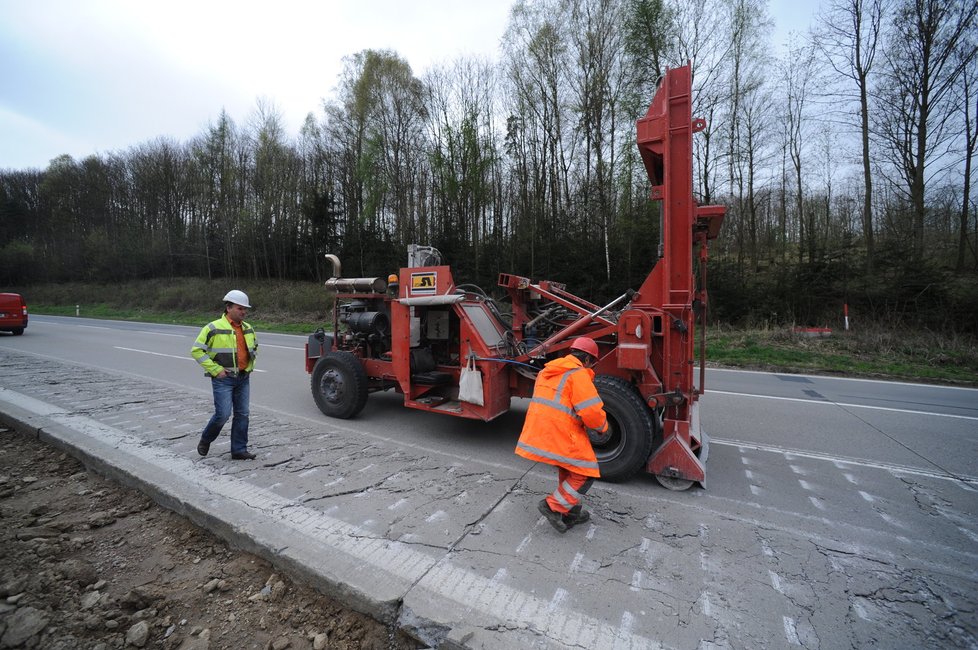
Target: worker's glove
x,y
599,437
602,431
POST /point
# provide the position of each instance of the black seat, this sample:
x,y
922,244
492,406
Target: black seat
x,y
423,369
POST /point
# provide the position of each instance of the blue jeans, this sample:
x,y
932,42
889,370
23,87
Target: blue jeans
x,y
230,393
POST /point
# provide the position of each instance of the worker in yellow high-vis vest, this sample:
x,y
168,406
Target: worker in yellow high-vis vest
x,y
226,348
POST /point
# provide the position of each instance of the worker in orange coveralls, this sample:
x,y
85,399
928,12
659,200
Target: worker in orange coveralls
x,y
565,405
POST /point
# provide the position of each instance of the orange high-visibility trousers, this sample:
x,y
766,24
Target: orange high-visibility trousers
x,y
570,488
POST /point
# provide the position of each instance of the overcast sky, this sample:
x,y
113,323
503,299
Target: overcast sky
x,y
80,77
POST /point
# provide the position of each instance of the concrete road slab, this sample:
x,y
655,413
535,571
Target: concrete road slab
x,y
784,549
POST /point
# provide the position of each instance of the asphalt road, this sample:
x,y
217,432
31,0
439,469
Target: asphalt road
x,y
837,512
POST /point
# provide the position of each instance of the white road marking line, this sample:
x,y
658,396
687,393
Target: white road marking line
x,y
707,607
576,563
792,453
636,584
893,521
844,404
559,596
171,356
790,632
627,621
860,379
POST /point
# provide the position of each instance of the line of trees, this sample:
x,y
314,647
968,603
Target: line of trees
x,y
846,166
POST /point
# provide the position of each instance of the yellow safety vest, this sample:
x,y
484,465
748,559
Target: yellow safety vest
x,y
216,347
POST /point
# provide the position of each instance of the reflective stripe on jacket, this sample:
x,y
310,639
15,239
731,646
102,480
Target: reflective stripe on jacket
x,y
216,347
565,404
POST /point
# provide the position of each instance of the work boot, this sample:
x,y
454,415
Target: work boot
x,y
577,515
555,518
203,447
243,455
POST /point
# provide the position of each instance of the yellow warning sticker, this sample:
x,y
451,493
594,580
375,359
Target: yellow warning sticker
x,y
424,283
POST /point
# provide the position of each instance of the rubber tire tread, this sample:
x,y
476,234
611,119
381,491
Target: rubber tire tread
x,y
623,404
353,375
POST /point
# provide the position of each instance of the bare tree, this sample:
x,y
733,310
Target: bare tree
x,y
923,66
217,157
747,64
462,159
599,88
540,127
969,112
796,78
701,39
376,128
848,37
649,33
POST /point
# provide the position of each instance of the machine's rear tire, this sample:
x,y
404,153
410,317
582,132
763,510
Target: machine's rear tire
x,y
17,331
339,385
626,447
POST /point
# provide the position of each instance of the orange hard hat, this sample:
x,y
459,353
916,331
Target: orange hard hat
x,y
584,344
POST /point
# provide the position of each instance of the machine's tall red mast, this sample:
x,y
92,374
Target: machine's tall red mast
x,y
665,140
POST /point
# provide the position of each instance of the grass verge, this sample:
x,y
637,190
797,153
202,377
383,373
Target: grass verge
x,y
300,307
869,351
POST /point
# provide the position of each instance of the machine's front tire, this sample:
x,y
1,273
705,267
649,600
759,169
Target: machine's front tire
x,y
627,445
339,385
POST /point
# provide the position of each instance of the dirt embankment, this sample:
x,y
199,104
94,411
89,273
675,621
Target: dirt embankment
x,y
87,563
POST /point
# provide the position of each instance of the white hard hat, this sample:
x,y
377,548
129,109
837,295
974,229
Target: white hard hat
x,y
237,297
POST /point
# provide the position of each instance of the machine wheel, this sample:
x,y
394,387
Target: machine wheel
x,y
339,385
625,448
17,331
675,484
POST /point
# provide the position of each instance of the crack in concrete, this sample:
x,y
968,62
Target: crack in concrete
x,y
358,490
466,531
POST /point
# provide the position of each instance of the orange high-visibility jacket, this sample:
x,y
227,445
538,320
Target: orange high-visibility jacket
x,y
565,404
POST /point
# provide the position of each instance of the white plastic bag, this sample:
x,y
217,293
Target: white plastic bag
x,y
470,384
